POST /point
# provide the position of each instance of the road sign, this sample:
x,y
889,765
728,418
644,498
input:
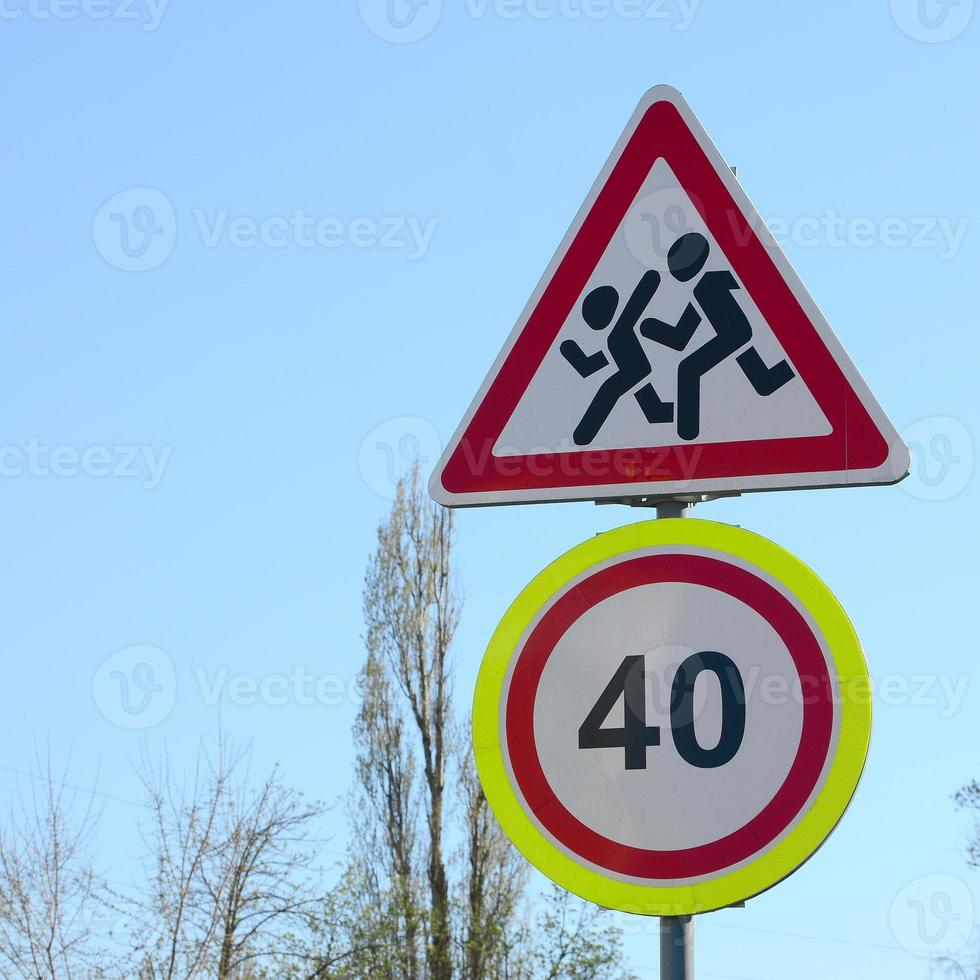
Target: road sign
x,y
672,717
669,349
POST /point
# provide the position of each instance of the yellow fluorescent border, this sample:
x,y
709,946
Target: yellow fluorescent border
x,y
796,846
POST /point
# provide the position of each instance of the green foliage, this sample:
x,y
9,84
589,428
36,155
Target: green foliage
x,y
573,941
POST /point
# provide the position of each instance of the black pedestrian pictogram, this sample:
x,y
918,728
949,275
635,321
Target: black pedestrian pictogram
x,y
714,294
627,353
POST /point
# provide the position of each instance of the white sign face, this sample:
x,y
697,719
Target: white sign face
x,y
667,718
730,409
748,714
669,348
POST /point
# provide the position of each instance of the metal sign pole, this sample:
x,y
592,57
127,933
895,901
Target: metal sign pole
x,y
675,508
676,931
676,947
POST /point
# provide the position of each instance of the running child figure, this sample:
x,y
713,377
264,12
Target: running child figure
x,y
732,331
626,352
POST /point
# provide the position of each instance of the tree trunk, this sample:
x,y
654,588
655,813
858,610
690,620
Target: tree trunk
x,y
440,952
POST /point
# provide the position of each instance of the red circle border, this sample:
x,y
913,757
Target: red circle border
x,y
790,799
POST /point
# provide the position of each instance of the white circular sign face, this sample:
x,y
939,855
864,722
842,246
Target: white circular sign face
x,y
666,719
670,803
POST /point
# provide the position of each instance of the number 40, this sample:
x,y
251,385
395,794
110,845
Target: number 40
x,y
636,736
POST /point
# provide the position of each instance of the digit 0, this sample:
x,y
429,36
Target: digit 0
x,y
732,710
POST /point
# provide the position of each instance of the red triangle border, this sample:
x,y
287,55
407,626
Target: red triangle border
x,y
855,442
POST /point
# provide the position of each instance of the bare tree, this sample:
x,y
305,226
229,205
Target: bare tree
x,y
494,878
411,610
49,894
230,888
968,798
383,877
227,870
414,912
571,941
967,965
954,968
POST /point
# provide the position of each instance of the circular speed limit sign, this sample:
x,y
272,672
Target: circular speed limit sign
x,y
672,717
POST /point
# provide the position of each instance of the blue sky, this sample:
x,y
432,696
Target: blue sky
x,y
336,213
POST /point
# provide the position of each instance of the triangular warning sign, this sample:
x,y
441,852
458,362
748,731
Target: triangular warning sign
x,y
669,349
